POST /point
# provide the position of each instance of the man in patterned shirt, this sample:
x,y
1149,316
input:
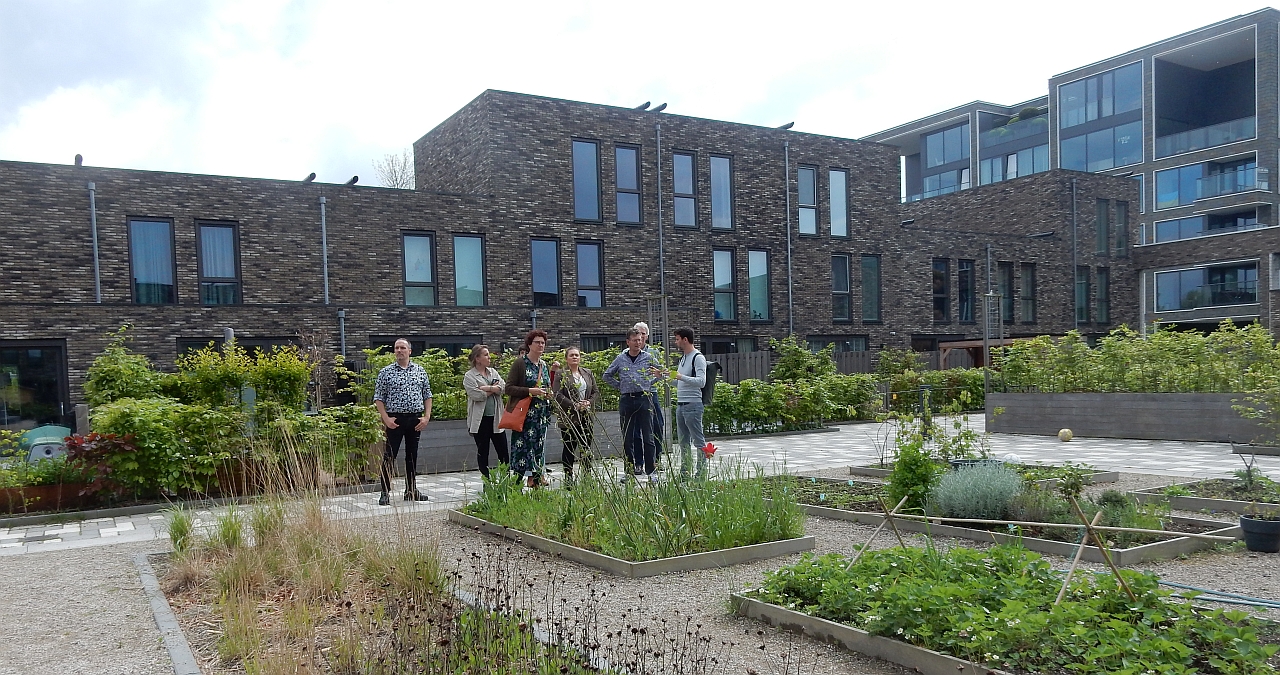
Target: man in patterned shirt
x,y
630,374
402,395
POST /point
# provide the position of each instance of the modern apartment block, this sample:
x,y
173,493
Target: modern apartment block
x,y
1191,119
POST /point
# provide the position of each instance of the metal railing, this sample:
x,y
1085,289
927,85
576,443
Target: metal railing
x,y
1151,233
1215,295
1207,137
1231,182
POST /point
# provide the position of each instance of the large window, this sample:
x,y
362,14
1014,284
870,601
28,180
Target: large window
x,y
758,284
590,274
1102,296
946,182
1028,292
1178,187
1082,294
1110,93
965,289
807,199
1102,226
1103,149
151,262
944,147
1122,228
468,270
1004,285
871,288
840,343
838,193
1207,287
684,185
419,269
219,264
721,192
841,292
33,384
627,183
726,297
1200,226
586,180
941,290
1021,163
545,258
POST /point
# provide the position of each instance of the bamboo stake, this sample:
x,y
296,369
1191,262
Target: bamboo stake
x,y
889,518
874,534
1023,523
1084,541
1106,555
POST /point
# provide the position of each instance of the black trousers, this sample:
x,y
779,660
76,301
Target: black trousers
x,y
405,423
483,438
577,435
637,433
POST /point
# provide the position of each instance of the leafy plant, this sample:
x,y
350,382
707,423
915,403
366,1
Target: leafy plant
x,y
118,373
914,471
794,361
980,491
97,454
892,361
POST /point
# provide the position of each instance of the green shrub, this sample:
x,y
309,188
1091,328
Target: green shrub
x,y
1036,504
214,376
914,471
891,361
956,388
45,471
983,491
118,373
794,361
172,446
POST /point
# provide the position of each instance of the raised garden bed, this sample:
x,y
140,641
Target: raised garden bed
x,y
1194,501
1089,478
33,498
648,568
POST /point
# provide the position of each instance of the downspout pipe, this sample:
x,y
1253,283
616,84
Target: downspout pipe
x,y
324,249
786,189
1075,263
93,229
662,269
342,332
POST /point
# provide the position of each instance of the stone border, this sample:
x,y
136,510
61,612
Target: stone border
x,y
648,568
175,641
65,516
773,434
909,656
1089,478
1184,503
1124,557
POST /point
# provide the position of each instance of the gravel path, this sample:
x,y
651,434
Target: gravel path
x,y
79,611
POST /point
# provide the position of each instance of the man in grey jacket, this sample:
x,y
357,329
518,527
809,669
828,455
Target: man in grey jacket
x,y
690,376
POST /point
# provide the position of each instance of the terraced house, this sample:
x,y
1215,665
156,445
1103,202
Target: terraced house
x,y
1136,190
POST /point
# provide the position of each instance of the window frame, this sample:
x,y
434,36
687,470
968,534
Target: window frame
x,y
434,284
1081,294
801,206
966,268
768,290
711,175
618,190
1028,283
878,298
533,294
202,279
847,293
1102,227
943,295
1102,296
573,169
1121,228
731,291
484,268
844,194
677,196
173,259
1005,273
599,271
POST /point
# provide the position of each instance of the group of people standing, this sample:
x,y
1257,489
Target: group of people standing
x,y
402,395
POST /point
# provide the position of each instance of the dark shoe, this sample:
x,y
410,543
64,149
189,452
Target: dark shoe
x,y
415,496
384,500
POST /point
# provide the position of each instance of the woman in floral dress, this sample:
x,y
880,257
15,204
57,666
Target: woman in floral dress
x,y
531,376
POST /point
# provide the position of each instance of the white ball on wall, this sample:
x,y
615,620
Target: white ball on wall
x,y
1065,435
1012,458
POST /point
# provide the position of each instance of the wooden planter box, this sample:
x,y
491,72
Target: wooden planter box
x,y
1209,504
43,498
916,659
1089,478
648,568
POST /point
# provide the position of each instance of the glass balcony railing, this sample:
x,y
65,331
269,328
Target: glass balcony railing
x,y
1189,228
1207,137
1215,295
1231,182
1036,126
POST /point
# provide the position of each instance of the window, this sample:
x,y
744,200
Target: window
x,y
807,189
1100,96
1142,193
219,264
545,256
151,262
1102,227
453,345
590,275
1178,187
1102,298
586,180
838,193
1122,228
871,288
1028,291
842,343
946,182
627,183
1200,226
726,298
1207,287
419,269
1082,294
468,271
1103,149
728,345
991,170
33,375
941,290
841,303
684,186
758,284
1004,278
964,286
721,193
600,343
944,147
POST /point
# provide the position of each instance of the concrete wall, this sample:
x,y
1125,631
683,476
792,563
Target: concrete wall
x,y
1172,417
446,446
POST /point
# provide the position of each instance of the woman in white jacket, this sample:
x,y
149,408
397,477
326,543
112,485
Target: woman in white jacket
x,y
484,388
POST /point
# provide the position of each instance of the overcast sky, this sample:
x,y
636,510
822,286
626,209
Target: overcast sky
x,y
279,89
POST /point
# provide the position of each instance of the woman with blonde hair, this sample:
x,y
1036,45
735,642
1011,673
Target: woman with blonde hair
x,y
576,395
484,387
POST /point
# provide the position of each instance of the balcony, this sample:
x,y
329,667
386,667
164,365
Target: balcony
x,y
1036,126
1231,182
1215,295
1189,228
1207,137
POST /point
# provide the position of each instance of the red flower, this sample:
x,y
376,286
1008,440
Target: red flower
x,y
708,450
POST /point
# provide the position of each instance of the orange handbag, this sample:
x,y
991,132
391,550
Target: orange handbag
x,y
513,419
